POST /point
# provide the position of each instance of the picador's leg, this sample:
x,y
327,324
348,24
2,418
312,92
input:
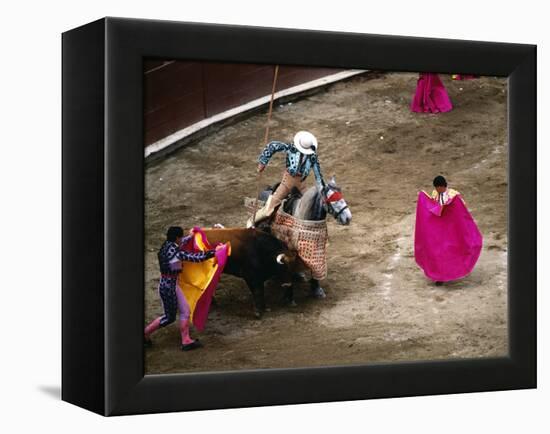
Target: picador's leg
x,y
273,201
316,290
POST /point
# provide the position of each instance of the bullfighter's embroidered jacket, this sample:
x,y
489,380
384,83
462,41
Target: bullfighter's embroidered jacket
x,y
444,197
170,257
296,162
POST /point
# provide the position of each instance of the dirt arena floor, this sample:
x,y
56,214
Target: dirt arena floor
x,y
379,306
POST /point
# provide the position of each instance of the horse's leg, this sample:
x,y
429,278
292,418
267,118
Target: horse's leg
x,y
316,290
288,296
299,276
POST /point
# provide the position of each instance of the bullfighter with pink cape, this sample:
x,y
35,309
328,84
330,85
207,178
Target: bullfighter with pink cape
x,y
430,96
187,288
447,241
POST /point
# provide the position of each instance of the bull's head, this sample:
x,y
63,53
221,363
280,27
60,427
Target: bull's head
x,y
286,258
287,264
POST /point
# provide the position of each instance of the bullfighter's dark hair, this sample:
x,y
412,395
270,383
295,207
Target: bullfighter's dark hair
x,y
174,232
439,181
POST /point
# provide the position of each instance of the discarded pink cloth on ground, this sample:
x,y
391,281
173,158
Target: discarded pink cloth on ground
x,y
430,96
464,76
447,242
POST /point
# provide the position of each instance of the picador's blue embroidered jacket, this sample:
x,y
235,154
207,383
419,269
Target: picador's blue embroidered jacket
x,y
170,254
296,162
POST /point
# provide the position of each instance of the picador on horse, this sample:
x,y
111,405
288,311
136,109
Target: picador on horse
x,y
296,214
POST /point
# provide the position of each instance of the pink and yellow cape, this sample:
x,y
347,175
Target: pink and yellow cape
x,y
447,241
198,280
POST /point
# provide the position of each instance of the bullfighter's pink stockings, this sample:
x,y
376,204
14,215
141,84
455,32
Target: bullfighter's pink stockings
x,y
184,330
172,300
185,312
152,327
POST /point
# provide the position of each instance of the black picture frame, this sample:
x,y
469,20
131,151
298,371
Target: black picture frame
x,y
103,216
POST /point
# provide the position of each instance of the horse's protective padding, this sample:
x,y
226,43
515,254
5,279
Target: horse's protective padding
x,y
308,237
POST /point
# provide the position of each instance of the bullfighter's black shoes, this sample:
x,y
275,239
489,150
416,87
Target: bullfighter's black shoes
x,y
193,345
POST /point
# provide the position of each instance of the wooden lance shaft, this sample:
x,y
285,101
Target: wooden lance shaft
x,y
266,136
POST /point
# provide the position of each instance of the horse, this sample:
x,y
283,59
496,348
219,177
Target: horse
x,y
314,204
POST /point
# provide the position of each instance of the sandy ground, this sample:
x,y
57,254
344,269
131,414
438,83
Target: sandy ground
x,y
379,305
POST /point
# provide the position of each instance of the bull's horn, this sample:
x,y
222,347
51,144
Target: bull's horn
x,y
281,259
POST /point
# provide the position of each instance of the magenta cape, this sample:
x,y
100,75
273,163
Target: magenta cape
x,y
430,96
447,242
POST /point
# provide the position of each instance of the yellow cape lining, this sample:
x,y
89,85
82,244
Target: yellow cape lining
x,y
196,276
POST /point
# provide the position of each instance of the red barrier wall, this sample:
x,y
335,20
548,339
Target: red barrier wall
x,y
179,94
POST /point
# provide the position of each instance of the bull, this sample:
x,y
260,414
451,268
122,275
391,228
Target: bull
x,y
256,257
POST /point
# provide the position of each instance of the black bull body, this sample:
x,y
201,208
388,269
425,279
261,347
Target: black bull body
x,y
256,257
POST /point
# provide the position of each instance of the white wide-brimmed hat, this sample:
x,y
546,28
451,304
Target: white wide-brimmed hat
x,y
305,142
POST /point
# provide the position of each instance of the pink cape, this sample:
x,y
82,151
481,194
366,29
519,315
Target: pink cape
x,y
447,242
430,96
